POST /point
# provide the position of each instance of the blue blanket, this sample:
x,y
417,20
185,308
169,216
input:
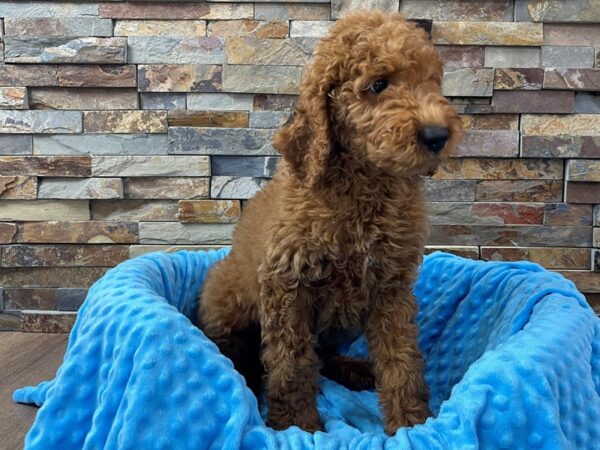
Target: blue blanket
x,y
512,360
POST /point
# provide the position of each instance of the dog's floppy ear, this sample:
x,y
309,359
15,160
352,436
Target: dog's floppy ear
x,y
305,143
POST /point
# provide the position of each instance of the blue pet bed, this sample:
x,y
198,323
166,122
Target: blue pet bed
x,y
512,360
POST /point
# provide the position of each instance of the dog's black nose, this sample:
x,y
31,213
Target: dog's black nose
x,y
434,137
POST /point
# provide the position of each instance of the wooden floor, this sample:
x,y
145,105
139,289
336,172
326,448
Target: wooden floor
x,y
25,359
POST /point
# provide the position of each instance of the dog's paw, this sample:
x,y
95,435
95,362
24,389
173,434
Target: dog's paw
x,y
309,422
407,418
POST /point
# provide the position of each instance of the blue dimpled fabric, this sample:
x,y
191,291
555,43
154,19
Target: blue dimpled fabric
x,y
512,360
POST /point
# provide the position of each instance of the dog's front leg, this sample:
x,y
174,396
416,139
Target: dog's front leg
x,y
289,356
391,332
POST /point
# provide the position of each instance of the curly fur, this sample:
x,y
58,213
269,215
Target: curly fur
x,y
333,242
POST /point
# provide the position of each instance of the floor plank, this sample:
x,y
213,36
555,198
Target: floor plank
x,y
25,359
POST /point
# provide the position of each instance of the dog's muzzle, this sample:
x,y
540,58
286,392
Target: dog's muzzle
x,y
434,137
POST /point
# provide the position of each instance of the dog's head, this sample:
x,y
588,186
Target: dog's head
x,y
372,89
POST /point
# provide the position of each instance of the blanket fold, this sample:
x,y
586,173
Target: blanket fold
x,y
512,356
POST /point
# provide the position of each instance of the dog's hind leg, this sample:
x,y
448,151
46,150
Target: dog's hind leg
x,y
226,317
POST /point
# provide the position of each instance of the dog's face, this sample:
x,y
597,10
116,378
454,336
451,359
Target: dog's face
x,y
387,105
374,88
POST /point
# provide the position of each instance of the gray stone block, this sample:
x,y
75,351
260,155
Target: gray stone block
x,y
85,188
557,11
70,299
101,144
220,141
244,166
220,102
14,144
184,50
512,57
450,190
587,103
88,50
186,234
268,119
162,100
46,27
281,11
235,187
310,28
468,82
40,122
567,56
47,9
340,8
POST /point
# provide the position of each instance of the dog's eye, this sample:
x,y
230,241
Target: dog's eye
x,y
378,86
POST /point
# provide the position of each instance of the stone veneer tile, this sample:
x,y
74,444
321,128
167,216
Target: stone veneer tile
x,y
480,213
220,141
18,187
48,277
468,82
179,233
549,102
40,122
162,100
571,34
549,257
582,192
149,166
56,27
43,210
209,211
13,98
487,33
84,188
135,210
512,57
567,56
489,143
100,144
82,98
553,125
557,11
15,144
513,236
21,255
576,79
278,29
179,78
210,119
518,78
77,232
560,146
160,28
48,166
175,10
258,51
584,170
227,187
88,50
467,10
165,188
184,50
261,79
461,55
567,214
291,11
498,169
519,190
125,121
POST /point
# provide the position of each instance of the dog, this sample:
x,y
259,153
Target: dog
x,y
331,246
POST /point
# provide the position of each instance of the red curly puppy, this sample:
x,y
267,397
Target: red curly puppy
x,y
334,241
